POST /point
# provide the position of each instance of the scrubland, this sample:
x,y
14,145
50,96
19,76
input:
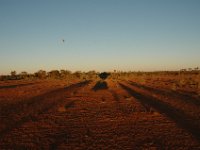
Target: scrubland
x,y
123,110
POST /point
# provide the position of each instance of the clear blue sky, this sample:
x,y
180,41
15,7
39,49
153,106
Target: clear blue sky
x,y
99,35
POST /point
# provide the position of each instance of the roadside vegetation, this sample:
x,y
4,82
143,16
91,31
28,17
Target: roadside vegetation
x,y
68,110
182,80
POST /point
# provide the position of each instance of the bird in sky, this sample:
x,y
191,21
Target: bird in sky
x,y
63,40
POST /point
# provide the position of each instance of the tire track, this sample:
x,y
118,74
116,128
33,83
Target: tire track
x,y
177,116
187,105
65,135
184,98
126,103
39,105
15,85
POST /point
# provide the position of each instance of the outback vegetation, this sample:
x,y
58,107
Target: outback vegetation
x,y
61,109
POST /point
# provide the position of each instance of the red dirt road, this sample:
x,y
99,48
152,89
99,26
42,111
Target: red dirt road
x,y
96,115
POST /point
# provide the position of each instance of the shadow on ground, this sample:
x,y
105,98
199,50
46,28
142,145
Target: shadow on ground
x,y
14,86
100,85
34,107
177,116
182,96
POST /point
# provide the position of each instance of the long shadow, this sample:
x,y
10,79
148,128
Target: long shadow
x,y
100,85
115,95
76,85
176,115
70,104
14,86
184,97
33,107
20,105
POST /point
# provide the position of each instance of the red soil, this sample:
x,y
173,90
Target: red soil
x,y
54,114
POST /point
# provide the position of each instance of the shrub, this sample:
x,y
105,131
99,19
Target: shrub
x,y
41,74
104,75
54,74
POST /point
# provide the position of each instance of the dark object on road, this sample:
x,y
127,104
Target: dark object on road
x,y
104,75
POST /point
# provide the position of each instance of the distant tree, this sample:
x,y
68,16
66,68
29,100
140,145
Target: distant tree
x,y
62,74
13,75
54,74
23,75
104,75
78,74
91,74
41,74
31,76
68,72
65,73
4,77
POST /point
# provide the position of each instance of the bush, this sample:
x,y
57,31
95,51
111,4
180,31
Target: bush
x,y
104,75
54,74
41,74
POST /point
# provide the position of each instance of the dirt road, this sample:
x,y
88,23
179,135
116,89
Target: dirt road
x,y
98,115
